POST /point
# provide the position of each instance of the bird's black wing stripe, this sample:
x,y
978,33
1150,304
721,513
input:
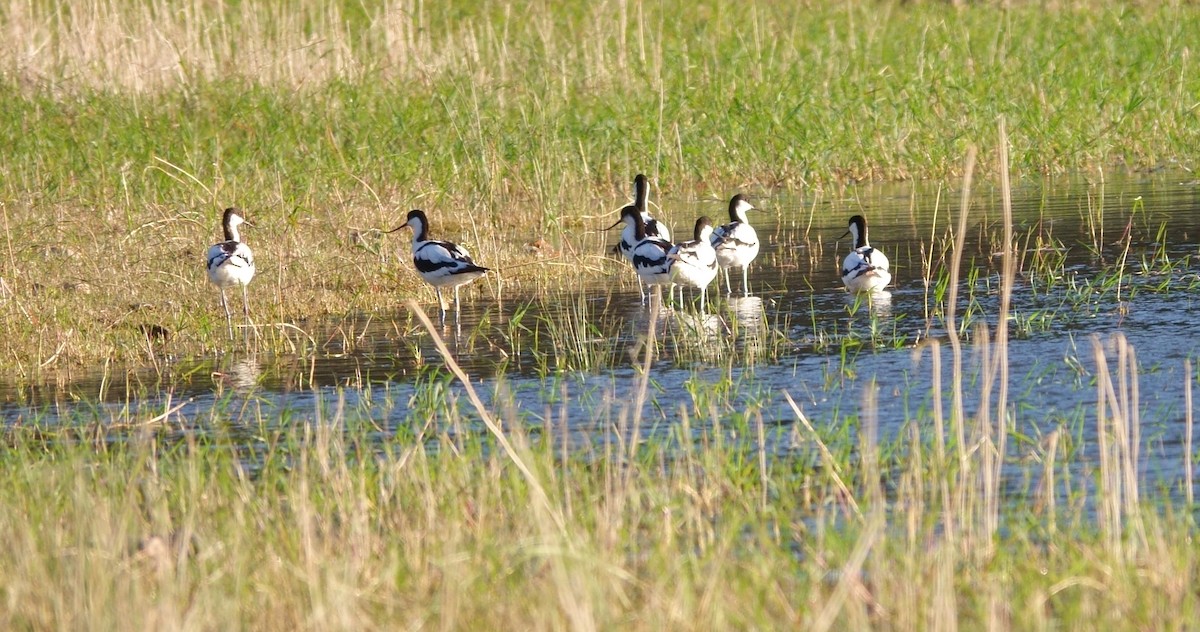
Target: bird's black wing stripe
x,y
646,262
454,250
735,241
458,267
429,265
724,235
657,259
230,255
859,270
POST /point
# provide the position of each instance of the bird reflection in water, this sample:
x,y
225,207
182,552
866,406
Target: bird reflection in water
x,y
878,303
239,373
748,324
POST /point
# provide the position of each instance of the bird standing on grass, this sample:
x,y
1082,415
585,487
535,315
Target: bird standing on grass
x,y
231,262
694,262
440,263
865,269
736,243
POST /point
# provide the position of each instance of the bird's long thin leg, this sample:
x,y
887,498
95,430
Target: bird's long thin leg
x,y
728,287
246,312
642,289
703,300
457,310
441,304
745,280
228,315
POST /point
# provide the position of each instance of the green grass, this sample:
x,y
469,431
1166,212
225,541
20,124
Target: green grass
x,y
509,102
128,125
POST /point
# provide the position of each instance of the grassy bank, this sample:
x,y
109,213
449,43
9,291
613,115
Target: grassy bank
x,y
128,125
484,101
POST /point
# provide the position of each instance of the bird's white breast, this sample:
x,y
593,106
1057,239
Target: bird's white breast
x,y
227,267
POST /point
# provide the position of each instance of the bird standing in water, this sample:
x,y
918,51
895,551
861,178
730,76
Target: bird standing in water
x,y
736,243
653,227
649,252
695,261
865,269
440,263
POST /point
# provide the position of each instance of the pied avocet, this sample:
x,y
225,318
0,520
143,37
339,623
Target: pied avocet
x,y
736,243
649,253
865,269
695,261
653,227
440,263
231,262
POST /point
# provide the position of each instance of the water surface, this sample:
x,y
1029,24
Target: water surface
x,y
570,358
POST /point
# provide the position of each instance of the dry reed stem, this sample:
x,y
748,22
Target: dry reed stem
x,y
947,507
486,416
869,444
577,608
643,383
826,457
1115,417
1109,504
957,412
1048,480
850,574
999,434
945,600
1187,430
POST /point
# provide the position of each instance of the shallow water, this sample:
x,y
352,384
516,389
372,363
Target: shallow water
x,y
569,359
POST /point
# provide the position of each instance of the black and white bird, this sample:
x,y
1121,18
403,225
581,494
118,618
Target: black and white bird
x,y
736,243
641,199
231,263
440,263
649,252
694,262
865,269
654,228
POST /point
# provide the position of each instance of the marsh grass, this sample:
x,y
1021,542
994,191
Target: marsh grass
x,y
128,125
334,528
576,343
333,519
